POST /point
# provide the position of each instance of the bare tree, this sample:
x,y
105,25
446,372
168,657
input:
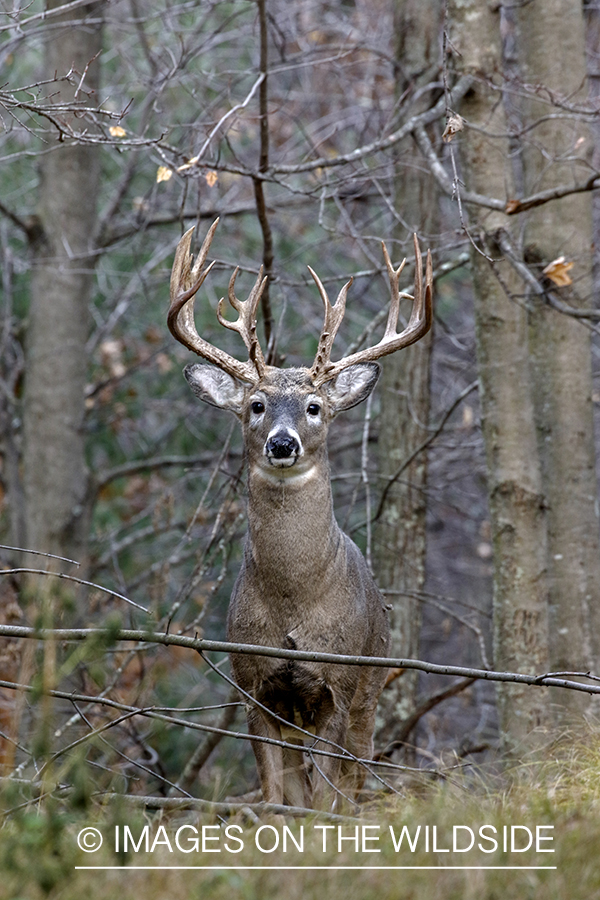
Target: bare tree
x,y
399,538
514,478
62,242
556,149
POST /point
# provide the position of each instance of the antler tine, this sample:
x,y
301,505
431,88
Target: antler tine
x,y
333,319
394,278
184,277
418,325
246,321
187,277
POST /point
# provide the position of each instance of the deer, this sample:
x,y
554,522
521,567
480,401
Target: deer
x,y
303,583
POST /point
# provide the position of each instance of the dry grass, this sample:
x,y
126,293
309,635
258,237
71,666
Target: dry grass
x,y
39,853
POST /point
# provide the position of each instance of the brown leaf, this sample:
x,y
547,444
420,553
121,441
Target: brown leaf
x,y
512,206
164,363
558,271
454,124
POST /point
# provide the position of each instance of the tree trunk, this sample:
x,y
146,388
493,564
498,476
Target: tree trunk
x,y
514,478
551,48
55,476
399,536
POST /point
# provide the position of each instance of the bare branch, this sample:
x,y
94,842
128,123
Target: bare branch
x,y
221,808
204,646
426,706
422,119
423,446
510,207
98,587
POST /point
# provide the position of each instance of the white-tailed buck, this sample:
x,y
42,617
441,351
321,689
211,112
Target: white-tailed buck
x,y
303,583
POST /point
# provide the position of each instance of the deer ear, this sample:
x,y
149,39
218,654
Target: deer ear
x,y
216,387
352,386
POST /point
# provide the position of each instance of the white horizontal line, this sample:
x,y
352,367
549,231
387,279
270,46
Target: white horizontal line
x,y
126,868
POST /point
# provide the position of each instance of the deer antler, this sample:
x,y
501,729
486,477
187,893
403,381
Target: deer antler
x,y
333,319
418,325
246,321
187,277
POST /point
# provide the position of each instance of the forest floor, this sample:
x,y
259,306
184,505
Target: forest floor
x,y
530,831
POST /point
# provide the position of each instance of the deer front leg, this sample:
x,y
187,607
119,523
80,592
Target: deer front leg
x,y
360,744
296,783
269,758
361,725
326,769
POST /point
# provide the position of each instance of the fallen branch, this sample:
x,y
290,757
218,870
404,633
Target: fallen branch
x,y
222,808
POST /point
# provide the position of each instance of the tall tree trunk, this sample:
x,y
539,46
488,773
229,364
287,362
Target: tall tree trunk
x,y
399,537
55,476
592,33
514,477
551,48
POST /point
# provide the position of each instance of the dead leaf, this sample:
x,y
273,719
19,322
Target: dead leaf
x,y
154,334
512,206
163,173
117,131
211,178
454,124
558,271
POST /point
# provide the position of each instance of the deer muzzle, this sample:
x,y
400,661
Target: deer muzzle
x,y
283,448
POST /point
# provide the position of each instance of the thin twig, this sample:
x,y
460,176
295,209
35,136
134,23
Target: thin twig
x,y
426,706
150,713
423,446
426,118
92,584
39,553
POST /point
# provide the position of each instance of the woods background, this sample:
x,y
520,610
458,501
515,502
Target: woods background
x,y
314,130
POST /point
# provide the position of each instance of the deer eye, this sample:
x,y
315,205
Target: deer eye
x,y
257,407
313,409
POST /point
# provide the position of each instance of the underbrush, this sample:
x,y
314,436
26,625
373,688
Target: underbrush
x,y
531,832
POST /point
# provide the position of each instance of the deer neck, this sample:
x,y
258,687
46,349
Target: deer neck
x,y
293,535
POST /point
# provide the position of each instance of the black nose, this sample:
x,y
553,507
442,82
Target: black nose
x,y
282,446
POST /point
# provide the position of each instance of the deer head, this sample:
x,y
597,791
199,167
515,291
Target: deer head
x,y
258,393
